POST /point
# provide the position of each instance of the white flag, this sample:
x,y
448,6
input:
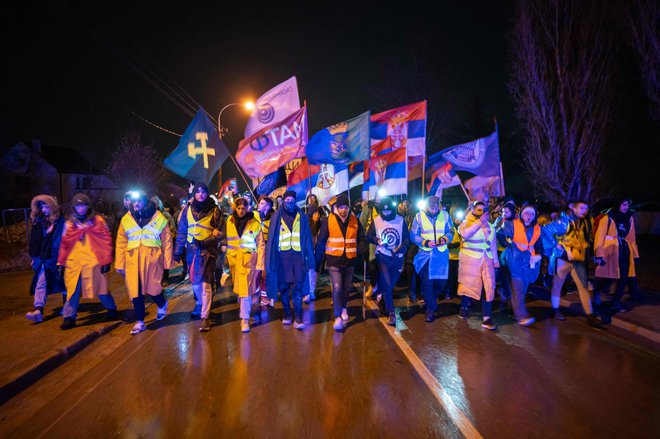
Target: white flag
x,y
273,106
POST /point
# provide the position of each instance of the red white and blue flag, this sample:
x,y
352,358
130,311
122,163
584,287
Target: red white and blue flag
x,y
401,127
388,174
325,180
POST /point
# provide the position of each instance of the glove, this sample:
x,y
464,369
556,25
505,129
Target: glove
x,y
177,258
599,261
105,268
60,272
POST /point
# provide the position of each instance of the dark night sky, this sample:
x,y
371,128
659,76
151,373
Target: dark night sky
x,y
67,87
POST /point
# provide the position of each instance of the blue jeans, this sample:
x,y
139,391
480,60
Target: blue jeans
x,y
295,290
486,307
389,270
342,282
431,288
71,306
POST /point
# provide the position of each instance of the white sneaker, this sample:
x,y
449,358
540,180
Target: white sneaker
x,y
527,321
344,314
306,299
160,315
245,325
286,321
299,325
338,325
35,316
138,327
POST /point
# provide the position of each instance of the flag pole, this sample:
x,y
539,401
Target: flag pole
x,y
463,187
231,156
497,133
423,174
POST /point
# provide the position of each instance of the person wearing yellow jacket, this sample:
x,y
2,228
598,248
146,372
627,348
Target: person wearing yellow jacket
x,y
143,250
245,256
477,261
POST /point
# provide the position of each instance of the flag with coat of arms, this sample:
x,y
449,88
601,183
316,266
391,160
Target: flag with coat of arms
x,y
401,127
342,143
479,157
387,174
326,180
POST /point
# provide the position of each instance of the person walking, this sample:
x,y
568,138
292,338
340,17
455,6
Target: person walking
x,y
43,247
84,259
143,251
200,233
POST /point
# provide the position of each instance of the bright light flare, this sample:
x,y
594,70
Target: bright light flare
x,y
421,204
459,214
382,192
249,105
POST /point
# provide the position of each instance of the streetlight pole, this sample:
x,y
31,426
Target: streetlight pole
x,y
221,132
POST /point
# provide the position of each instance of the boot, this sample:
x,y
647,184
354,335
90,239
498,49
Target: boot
x,y
391,320
68,323
594,320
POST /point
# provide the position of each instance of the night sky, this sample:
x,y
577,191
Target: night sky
x,y
72,86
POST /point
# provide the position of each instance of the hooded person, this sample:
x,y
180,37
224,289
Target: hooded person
x,y
289,257
477,262
85,256
521,258
143,251
47,226
245,256
200,233
263,214
389,233
431,231
339,241
615,247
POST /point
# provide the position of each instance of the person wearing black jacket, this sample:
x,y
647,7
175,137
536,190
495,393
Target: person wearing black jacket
x,y
43,247
340,238
200,233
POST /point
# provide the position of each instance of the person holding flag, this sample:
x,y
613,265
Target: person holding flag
x,y
477,262
389,233
199,234
143,250
245,256
431,231
338,241
289,256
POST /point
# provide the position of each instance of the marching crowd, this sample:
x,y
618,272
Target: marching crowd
x,y
276,249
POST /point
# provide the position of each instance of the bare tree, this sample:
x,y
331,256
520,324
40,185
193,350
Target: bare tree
x,y
644,21
562,60
135,164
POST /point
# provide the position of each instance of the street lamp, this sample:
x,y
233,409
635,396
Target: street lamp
x,y
249,105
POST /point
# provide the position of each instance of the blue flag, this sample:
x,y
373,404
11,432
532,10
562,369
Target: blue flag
x,y
200,151
480,157
342,143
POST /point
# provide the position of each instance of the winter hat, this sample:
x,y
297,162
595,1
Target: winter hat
x,y
528,207
241,200
199,186
290,193
79,199
342,200
432,199
385,203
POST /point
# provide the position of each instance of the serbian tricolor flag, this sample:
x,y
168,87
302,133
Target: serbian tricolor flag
x,y
388,174
402,127
272,147
325,180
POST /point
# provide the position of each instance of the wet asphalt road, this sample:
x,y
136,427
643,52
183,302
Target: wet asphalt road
x,y
556,379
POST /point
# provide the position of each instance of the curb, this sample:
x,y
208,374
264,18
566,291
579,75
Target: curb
x,y
61,356
623,324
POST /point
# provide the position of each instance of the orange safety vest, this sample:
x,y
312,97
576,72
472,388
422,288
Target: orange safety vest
x,y
337,242
520,237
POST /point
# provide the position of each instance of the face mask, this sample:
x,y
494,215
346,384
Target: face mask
x,y
290,206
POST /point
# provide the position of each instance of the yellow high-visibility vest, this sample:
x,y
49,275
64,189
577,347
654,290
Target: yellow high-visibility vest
x,y
477,245
264,224
290,239
148,235
199,230
247,243
429,233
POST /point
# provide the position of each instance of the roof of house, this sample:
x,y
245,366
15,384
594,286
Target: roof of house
x,y
67,160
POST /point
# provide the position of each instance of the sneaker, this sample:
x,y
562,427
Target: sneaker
x,y
205,326
344,314
338,325
391,319
138,327
197,312
429,316
265,301
36,316
463,314
489,324
526,321
160,314
299,325
68,323
186,277
618,307
286,320
594,320
306,299
245,325
557,315
111,315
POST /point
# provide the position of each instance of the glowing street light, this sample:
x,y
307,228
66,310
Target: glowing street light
x,y
248,105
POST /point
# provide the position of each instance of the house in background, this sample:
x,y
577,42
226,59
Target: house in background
x,y
26,171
